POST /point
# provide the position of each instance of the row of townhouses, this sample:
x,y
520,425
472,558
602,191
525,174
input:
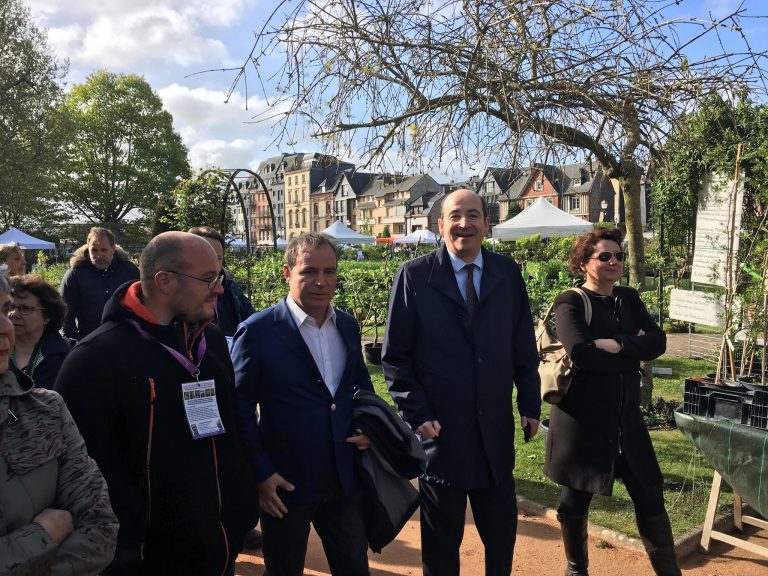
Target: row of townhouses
x,y
309,191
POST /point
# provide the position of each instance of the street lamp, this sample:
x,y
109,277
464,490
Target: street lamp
x,y
603,209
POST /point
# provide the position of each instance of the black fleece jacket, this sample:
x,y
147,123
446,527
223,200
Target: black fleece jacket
x,y
176,501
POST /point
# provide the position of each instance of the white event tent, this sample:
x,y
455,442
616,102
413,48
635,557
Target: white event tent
x,y
25,240
418,237
541,218
343,234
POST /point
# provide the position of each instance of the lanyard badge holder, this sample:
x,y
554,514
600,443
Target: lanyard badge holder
x,y
198,396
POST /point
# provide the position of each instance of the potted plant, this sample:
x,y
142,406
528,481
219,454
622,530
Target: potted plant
x,y
366,294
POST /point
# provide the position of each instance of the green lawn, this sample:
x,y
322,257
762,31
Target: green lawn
x,y
687,476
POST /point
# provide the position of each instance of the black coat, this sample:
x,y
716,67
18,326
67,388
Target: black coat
x,y
395,455
441,366
179,505
53,350
600,415
86,290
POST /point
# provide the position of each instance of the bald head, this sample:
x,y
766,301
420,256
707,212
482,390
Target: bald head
x,y
453,196
180,278
170,251
463,223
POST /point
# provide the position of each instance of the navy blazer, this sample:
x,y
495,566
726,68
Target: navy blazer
x,y
441,365
300,431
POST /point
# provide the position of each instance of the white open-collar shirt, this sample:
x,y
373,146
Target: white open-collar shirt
x,y
324,343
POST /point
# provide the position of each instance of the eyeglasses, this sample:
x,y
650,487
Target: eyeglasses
x,y
23,309
212,284
606,256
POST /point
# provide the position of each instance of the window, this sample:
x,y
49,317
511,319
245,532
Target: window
x,y
303,196
289,196
539,185
327,207
315,225
574,203
489,188
304,218
303,178
290,218
317,209
576,182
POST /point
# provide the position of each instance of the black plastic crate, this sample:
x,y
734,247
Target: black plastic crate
x,y
694,397
732,406
758,416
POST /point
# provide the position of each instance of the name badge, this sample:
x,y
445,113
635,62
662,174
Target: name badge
x,y
202,409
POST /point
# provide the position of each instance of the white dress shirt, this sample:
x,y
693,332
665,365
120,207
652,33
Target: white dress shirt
x,y
324,343
461,274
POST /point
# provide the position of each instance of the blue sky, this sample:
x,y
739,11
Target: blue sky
x,y
167,40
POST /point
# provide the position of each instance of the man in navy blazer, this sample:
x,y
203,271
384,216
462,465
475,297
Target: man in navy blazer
x,y
459,333
301,362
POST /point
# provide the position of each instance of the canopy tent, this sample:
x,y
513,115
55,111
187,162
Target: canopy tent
x,y
343,234
282,244
418,237
25,240
234,243
541,218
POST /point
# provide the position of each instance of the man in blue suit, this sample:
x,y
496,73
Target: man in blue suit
x,y
459,334
301,362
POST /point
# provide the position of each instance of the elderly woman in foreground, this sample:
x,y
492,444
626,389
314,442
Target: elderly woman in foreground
x,y
55,515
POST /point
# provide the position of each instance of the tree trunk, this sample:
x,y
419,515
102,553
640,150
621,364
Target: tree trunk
x,y
633,217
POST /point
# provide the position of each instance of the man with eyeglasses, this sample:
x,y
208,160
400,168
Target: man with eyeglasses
x,y
152,391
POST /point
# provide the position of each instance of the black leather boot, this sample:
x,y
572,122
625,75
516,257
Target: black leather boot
x,y
574,529
656,534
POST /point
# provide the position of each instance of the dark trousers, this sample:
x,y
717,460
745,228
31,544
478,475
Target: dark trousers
x,y
443,512
648,500
339,523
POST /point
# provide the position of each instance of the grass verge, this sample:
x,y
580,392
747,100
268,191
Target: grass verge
x,y
687,476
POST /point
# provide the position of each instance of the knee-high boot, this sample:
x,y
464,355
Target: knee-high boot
x,y
574,529
656,534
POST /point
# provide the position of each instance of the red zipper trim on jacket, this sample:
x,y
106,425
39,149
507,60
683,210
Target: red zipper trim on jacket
x,y
152,396
218,493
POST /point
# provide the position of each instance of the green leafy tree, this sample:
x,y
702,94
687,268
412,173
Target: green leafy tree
x,y
707,142
31,130
199,201
125,153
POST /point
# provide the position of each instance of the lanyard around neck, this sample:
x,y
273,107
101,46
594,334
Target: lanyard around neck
x,y
189,366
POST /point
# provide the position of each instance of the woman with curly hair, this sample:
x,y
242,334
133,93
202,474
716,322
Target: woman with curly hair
x,y
597,432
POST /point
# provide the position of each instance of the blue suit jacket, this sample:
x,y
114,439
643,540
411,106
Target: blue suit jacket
x,y
440,365
301,430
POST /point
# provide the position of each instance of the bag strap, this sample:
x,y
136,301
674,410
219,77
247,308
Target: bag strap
x,y
587,304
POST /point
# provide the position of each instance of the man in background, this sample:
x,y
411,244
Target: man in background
x,y
96,271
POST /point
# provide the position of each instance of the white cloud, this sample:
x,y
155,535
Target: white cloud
x,y
161,36
218,133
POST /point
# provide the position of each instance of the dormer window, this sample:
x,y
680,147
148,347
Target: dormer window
x,y
577,181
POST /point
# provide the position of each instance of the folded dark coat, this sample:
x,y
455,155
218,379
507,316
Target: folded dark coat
x,y
395,456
